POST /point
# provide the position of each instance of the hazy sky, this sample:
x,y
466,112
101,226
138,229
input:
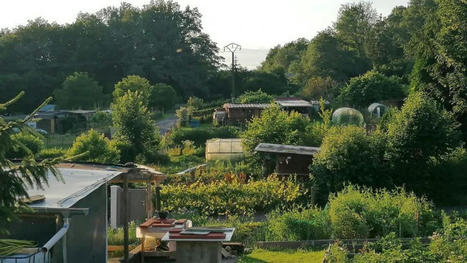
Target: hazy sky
x,y
257,24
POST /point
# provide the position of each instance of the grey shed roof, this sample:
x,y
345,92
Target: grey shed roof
x,y
282,148
294,103
77,183
247,106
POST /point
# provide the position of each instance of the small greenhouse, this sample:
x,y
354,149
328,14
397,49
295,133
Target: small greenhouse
x,y
347,116
377,109
224,149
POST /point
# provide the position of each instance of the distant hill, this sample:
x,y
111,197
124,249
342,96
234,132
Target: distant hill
x,y
248,58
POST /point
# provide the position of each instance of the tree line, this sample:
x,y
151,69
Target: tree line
x,y
364,58
160,42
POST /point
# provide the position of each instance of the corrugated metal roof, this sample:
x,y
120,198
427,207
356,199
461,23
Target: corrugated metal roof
x,y
282,148
77,184
247,106
294,103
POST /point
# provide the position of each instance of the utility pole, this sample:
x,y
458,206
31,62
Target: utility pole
x,y
232,48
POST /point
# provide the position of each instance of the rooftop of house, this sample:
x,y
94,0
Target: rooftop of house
x,y
289,149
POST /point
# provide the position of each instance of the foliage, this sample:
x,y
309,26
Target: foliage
x,y
10,247
315,132
325,57
447,184
348,154
183,116
101,119
134,125
26,143
419,132
451,244
361,213
16,178
161,41
195,103
282,256
79,91
247,231
371,87
280,58
448,246
162,97
255,97
438,43
336,254
199,135
320,87
274,126
353,25
225,197
94,147
51,153
134,83
115,236
298,224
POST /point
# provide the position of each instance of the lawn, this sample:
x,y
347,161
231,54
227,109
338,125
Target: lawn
x,y
283,256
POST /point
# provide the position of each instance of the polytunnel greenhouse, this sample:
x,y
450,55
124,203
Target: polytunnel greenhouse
x,y
377,109
347,116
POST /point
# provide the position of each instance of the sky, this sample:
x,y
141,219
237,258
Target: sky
x,y
256,25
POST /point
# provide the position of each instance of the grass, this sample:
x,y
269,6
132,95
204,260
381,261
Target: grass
x,y
59,140
282,256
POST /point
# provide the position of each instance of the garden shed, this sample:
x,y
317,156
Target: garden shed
x,y
288,159
243,112
69,217
224,149
293,104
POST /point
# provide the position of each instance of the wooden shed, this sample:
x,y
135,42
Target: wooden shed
x,y
288,159
237,113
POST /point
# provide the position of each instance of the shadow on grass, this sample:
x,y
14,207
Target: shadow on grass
x,y
248,259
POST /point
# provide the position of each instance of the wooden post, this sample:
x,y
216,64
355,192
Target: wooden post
x,y
125,218
158,198
149,204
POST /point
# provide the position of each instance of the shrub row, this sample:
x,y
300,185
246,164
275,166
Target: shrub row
x,y
357,213
450,245
226,197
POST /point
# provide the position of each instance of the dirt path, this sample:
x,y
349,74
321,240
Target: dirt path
x,y
167,124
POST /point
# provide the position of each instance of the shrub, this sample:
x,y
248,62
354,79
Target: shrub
x,y
32,143
255,97
275,126
361,213
451,244
420,132
298,224
371,87
225,197
93,147
51,153
134,125
348,154
115,236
